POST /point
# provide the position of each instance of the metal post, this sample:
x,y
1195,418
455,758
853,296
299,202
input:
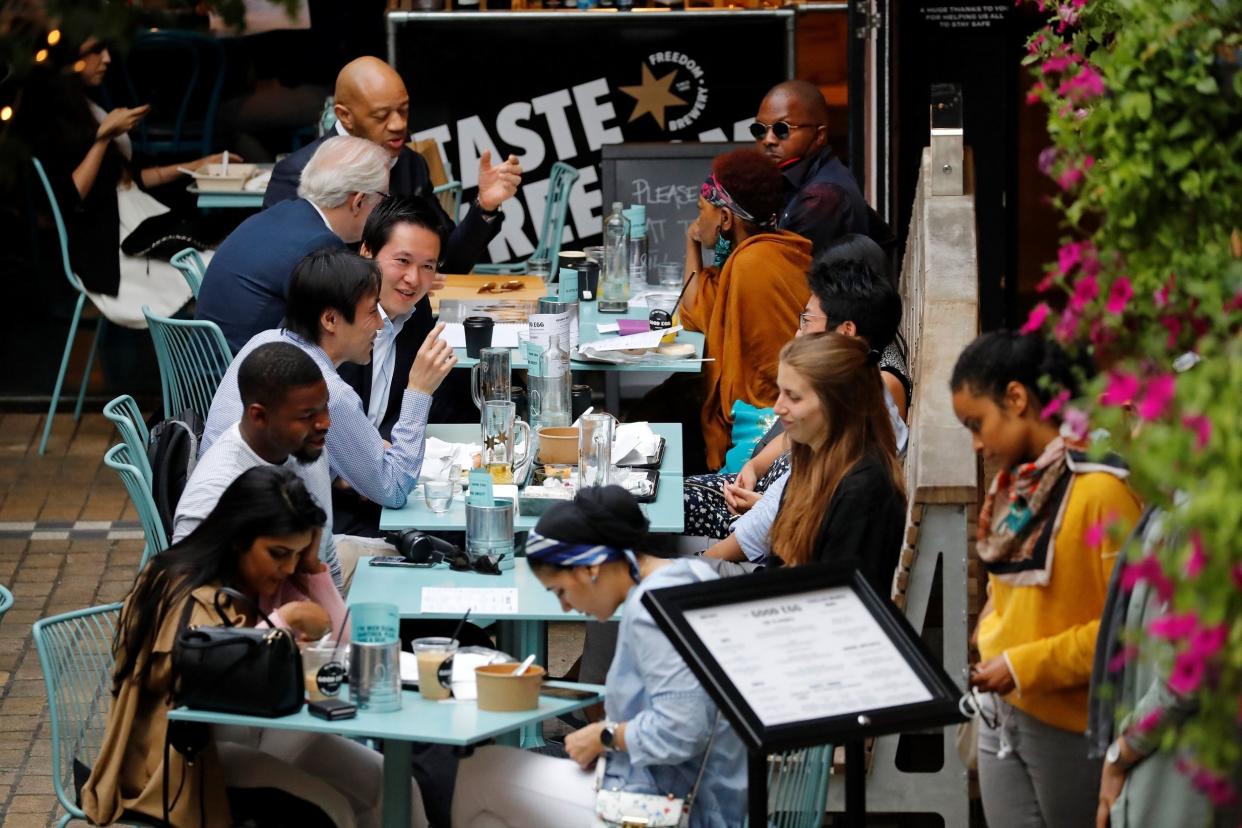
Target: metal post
x,y
856,58
757,788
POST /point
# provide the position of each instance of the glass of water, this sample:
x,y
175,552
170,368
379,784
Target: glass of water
x,y
439,495
670,275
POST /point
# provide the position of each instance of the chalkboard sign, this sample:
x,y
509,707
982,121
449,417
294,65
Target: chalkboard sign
x,y
666,179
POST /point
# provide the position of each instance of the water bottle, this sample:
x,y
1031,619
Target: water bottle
x,y
551,404
637,248
614,279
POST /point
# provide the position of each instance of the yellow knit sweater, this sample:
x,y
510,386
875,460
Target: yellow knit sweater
x,y
1047,633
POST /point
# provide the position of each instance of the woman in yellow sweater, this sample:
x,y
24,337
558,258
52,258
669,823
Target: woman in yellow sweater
x,y
1043,539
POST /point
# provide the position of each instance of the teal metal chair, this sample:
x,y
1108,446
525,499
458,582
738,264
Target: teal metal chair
x,y
181,73
798,787
75,652
76,284
6,600
555,208
193,356
192,268
120,458
127,417
450,198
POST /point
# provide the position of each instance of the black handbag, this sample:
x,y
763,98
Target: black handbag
x,y
242,670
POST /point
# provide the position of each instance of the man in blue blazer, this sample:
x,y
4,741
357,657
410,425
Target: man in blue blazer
x,y
371,102
244,288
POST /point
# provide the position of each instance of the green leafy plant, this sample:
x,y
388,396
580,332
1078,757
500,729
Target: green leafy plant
x,y
1144,103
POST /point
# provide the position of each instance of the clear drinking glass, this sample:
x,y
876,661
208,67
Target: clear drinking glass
x,y
595,449
499,426
539,267
491,377
438,495
670,275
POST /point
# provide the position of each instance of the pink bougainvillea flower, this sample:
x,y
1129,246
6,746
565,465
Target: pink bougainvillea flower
x,y
1236,574
1150,721
1148,569
1187,674
1119,295
1045,284
1069,178
1036,41
1198,556
1056,63
1201,425
1074,424
1035,320
1121,389
1157,395
1098,531
1086,288
1173,626
1123,657
1032,96
1100,335
1235,303
1047,159
1161,296
1069,257
1054,406
1206,642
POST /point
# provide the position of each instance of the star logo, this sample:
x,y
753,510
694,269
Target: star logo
x,y
653,96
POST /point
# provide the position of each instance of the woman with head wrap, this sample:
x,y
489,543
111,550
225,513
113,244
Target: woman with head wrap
x,y
659,720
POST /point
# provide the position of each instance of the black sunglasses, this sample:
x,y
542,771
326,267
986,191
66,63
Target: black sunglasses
x,y
780,129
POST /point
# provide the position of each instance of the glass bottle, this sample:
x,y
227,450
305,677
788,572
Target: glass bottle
x,y
637,245
614,279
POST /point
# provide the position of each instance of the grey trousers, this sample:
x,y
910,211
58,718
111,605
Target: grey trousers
x,y
1034,775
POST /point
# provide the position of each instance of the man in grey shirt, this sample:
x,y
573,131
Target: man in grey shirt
x,y
284,422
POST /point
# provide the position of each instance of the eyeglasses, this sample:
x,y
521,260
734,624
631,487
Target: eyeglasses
x,y
805,318
780,129
504,287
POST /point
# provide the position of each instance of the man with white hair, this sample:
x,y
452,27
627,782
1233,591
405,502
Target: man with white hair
x,y
244,288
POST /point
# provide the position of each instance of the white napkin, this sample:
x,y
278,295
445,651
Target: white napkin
x,y
439,457
258,183
634,443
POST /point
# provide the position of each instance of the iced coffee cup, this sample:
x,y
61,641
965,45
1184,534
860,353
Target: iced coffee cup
x,y
430,653
315,656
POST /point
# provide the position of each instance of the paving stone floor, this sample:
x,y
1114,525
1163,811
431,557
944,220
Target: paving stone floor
x,y
69,539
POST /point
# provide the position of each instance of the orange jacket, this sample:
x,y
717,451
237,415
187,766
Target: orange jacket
x,y
747,311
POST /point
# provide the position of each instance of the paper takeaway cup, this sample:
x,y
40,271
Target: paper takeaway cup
x,y
502,692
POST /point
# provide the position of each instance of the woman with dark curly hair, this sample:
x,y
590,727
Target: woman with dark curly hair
x,y
746,303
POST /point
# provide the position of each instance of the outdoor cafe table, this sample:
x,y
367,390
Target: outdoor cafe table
x,y
666,512
464,286
460,724
519,633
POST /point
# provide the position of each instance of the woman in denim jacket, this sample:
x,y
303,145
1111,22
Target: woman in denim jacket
x,y
659,719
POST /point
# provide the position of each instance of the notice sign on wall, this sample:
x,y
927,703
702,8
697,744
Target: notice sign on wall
x,y
558,87
965,17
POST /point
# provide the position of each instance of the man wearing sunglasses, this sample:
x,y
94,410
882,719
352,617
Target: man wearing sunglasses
x,y
822,200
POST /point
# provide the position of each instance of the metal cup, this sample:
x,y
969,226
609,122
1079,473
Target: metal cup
x,y
375,676
489,529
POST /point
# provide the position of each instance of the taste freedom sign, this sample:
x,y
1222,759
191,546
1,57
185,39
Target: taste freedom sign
x,y
558,86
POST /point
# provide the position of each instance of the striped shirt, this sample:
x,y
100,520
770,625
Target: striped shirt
x,y
356,451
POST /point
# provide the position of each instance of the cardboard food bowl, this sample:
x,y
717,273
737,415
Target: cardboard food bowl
x,y
211,177
558,445
502,692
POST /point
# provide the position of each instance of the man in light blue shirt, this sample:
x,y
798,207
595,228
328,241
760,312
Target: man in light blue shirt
x,y
284,423
332,313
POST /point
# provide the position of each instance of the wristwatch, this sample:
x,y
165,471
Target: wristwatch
x,y
1113,756
488,215
608,736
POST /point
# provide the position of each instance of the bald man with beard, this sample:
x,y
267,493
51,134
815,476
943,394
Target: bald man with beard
x,y
371,102
822,199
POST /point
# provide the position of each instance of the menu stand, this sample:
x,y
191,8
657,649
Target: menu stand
x,y
806,656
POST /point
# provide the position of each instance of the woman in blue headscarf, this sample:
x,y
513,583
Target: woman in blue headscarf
x,y
660,728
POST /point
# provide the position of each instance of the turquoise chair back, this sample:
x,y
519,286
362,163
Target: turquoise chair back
x,y
555,208
798,787
450,198
193,356
121,460
75,652
181,73
63,237
192,268
127,417
6,600
327,116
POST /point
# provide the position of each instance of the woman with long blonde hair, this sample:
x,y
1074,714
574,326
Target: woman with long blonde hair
x,y
844,496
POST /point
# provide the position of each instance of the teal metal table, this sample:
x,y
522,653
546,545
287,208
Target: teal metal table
x,y
666,512
588,318
461,724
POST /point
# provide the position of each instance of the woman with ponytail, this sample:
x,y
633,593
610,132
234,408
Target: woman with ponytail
x,y
843,496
